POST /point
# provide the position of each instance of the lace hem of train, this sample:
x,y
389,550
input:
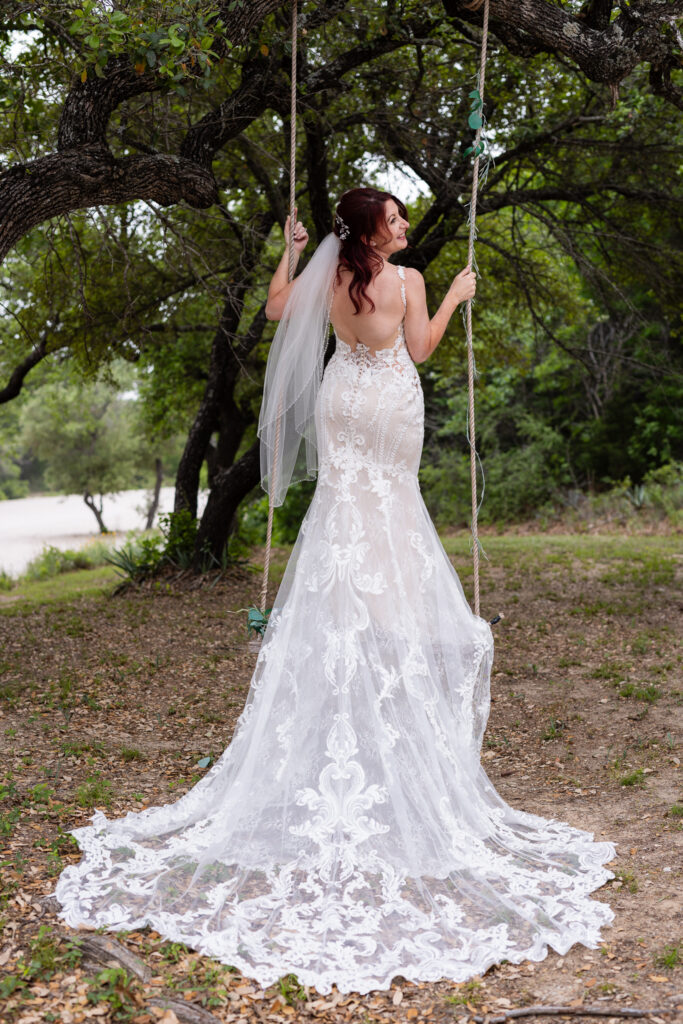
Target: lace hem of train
x,y
359,933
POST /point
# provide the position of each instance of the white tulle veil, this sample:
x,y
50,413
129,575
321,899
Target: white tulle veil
x,y
286,426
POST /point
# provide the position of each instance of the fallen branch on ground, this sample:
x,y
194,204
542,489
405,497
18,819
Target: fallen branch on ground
x,y
575,1011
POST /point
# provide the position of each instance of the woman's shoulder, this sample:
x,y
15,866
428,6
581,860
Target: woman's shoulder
x,y
414,279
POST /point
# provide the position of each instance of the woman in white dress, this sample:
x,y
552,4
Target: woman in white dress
x,y
349,834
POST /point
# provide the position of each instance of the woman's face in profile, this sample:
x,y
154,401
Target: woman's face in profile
x,y
394,237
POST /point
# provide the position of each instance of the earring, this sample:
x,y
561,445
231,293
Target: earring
x,y
372,243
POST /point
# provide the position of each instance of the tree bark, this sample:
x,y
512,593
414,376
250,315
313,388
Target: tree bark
x,y
15,383
85,173
605,51
96,510
227,354
231,486
154,504
90,175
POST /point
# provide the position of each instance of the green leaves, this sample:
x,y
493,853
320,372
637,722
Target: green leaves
x,y
257,621
475,121
173,52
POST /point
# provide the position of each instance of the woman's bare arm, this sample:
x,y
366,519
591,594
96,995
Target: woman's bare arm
x,y
280,287
423,334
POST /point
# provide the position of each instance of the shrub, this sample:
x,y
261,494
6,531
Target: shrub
x,y
53,562
145,556
179,530
138,559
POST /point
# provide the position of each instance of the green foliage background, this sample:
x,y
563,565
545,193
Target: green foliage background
x,y
577,318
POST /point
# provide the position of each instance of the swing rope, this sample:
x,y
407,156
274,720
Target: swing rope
x,y
290,277
471,434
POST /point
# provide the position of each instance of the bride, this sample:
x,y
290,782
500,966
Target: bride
x,y
349,833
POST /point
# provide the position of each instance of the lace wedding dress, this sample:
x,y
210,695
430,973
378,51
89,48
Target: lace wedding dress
x,y
349,834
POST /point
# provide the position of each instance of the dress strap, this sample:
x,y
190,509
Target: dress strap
x,y
402,274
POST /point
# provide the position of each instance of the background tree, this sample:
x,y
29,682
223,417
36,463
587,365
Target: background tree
x,y
579,243
85,437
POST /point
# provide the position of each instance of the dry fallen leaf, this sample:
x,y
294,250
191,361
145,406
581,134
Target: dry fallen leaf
x,y
169,1017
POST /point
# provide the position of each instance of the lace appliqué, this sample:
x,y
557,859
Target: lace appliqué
x,y
349,833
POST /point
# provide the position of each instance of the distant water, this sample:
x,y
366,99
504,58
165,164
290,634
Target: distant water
x,y
27,525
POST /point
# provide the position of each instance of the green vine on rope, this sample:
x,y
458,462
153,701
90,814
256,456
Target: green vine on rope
x,y
257,621
476,121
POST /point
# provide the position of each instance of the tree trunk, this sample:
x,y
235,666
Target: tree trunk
x,y
220,382
228,351
96,510
231,486
154,506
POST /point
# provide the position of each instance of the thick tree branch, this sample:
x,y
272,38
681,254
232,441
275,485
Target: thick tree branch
x,y
605,51
264,85
89,105
91,176
15,383
571,193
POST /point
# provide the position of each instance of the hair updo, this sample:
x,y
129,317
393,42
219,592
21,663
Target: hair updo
x,y
361,214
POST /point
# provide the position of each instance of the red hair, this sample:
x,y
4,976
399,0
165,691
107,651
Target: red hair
x,y
363,214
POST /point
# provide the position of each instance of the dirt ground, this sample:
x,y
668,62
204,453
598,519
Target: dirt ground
x,y
111,702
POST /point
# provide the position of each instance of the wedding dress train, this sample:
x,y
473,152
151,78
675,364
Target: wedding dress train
x,y
348,833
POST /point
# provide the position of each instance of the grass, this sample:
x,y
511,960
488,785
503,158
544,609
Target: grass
x,y
118,990
554,730
468,993
671,956
54,562
95,790
77,749
131,754
48,956
565,549
27,594
291,989
627,878
649,694
634,778
608,670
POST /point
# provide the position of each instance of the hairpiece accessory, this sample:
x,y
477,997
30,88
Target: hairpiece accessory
x,y
344,230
